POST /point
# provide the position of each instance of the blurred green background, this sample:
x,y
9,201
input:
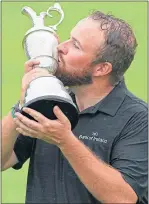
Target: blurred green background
x,y
14,26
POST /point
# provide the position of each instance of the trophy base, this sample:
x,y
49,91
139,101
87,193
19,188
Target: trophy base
x,y
45,105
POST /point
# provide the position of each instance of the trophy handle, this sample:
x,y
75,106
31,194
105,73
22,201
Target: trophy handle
x,y
57,8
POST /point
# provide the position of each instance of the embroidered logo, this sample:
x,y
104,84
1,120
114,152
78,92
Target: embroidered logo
x,y
94,137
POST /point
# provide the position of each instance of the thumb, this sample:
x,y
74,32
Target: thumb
x,y
23,93
22,97
60,115
29,65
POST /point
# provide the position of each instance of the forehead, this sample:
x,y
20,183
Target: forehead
x,y
89,34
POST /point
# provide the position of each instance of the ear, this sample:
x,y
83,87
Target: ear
x,y
102,69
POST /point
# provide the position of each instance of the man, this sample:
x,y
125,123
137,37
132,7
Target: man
x,y
104,159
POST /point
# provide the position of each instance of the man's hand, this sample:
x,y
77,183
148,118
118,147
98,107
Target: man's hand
x,y
31,73
52,131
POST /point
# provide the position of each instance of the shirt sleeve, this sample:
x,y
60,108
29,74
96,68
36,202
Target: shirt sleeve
x,y
23,148
130,153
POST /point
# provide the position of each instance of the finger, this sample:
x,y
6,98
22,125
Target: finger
x,y
29,65
22,97
28,78
41,73
60,115
36,115
23,93
24,133
36,72
25,128
29,123
19,130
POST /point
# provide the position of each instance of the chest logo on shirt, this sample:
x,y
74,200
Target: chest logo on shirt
x,y
94,137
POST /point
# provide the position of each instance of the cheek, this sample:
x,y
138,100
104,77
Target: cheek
x,y
76,59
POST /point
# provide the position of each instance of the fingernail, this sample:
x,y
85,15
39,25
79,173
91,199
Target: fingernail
x,y
24,109
17,114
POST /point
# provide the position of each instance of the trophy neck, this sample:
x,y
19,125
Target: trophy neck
x,y
38,22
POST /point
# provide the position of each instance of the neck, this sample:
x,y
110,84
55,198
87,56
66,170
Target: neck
x,y
89,95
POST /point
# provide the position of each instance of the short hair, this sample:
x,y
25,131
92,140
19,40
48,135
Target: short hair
x,y
119,47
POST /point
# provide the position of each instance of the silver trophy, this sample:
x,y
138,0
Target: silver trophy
x,y
44,93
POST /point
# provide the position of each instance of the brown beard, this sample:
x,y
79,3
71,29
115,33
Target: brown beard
x,y
75,81
72,80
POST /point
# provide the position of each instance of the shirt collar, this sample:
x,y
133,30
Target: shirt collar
x,y
111,103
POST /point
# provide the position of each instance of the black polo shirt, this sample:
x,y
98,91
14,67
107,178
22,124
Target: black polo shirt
x,y
115,129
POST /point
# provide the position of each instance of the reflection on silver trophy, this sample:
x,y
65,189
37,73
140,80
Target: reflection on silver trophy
x,y
44,93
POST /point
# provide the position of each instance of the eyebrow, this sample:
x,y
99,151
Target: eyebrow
x,y
77,41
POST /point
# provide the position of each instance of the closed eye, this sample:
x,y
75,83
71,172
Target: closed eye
x,y
75,45
75,42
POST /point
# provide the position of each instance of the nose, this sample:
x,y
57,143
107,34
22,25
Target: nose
x,y
62,48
